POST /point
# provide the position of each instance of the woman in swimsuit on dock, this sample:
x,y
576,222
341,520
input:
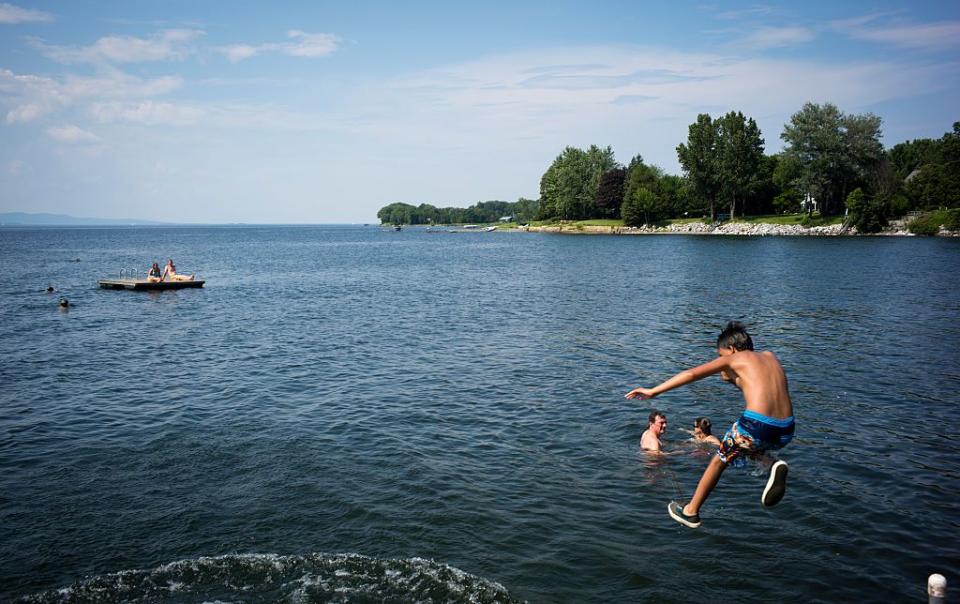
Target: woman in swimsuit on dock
x,y
171,271
154,275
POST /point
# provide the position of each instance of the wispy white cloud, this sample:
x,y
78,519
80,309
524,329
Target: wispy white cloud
x,y
745,13
310,45
598,77
495,96
115,97
14,14
150,113
170,44
26,113
239,52
935,35
301,44
629,99
72,135
16,167
776,37
29,97
862,20
119,85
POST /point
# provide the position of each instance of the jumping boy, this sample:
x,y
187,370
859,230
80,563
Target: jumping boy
x,y
766,424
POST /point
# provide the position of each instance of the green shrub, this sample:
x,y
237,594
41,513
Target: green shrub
x,y
632,211
868,215
930,223
898,204
787,201
923,225
952,222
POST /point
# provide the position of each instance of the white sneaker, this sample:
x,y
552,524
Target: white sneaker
x,y
776,484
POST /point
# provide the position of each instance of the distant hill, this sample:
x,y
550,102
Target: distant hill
x,y
26,219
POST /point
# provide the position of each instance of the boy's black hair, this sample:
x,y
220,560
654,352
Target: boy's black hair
x,y
654,415
704,424
735,336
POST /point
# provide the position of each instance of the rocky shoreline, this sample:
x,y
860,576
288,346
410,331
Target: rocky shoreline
x,y
897,229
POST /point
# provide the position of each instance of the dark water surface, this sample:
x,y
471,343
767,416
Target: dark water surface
x,y
348,414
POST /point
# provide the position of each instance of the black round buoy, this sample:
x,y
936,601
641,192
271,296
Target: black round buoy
x,y
64,303
50,289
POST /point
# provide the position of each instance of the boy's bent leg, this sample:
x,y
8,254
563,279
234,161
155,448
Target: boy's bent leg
x,y
709,480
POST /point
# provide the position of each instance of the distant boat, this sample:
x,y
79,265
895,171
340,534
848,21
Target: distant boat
x,y
470,226
490,229
397,227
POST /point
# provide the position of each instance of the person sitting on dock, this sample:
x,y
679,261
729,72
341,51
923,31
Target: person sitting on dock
x,y
154,275
171,271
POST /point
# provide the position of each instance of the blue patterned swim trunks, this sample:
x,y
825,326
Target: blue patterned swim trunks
x,y
752,435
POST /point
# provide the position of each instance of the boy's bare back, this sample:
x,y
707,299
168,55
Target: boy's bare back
x,y
762,380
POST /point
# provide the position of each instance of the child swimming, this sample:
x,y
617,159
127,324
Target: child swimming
x,y
702,432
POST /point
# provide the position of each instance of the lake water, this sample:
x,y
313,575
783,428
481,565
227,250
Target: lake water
x,y
351,414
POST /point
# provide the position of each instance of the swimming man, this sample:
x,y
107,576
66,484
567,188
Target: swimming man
x,y
656,426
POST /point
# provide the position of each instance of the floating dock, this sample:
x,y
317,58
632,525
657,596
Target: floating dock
x,y
144,285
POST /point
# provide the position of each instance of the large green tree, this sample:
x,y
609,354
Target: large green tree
x,y
568,189
610,193
864,151
835,152
638,206
936,181
674,190
641,175
867,214
765,188
910,155
698,158
524,210
650,195
396,213
739,149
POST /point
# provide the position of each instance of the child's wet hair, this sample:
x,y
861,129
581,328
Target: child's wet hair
x,y
735,336
704,424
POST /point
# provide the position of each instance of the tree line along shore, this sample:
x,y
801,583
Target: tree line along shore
x,y
833,170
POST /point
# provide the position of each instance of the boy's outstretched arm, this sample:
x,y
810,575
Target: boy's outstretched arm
x,y
682,379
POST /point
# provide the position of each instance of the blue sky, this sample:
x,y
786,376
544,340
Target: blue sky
x,y
322,112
